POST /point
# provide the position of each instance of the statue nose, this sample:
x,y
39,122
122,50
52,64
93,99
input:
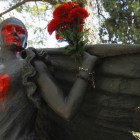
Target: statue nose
x,y
14,32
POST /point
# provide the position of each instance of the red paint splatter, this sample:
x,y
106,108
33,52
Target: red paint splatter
x,y
4,85
8,30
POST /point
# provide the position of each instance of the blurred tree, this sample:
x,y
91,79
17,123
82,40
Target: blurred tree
x,y
89,5
40,13
123,23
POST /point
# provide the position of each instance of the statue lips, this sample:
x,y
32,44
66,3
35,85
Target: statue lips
x,y
12,39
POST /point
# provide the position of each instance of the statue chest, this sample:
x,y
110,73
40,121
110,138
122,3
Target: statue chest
x,y
11,68
10,81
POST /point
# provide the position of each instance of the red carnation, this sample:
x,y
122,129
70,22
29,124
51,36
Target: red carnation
x,y
65,25
79,21
63,17
81,29
72,4
58,37
78,13
53,25
62,11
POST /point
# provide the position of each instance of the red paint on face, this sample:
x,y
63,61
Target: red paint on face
x,y
7,31
4,85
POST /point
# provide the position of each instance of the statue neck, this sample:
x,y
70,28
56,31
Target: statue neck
x,y
6,56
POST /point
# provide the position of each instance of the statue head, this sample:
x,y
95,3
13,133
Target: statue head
x,y
13,34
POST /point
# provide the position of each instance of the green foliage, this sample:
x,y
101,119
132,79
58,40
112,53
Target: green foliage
x,y
35,16
123,24
74,37
136,134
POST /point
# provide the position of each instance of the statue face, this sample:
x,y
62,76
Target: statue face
x,y
14,36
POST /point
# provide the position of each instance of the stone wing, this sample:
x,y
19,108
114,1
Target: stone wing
x,y
111,111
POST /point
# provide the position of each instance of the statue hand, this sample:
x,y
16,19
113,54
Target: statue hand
x,y
89,61
40,67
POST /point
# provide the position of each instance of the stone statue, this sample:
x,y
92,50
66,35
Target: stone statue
x,y
26,79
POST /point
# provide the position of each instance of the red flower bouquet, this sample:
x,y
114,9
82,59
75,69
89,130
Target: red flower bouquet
x,y
68,21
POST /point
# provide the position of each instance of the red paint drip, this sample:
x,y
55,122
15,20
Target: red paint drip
x,y
7,31
4,85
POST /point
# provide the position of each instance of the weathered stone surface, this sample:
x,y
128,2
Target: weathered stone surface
x,y
111,110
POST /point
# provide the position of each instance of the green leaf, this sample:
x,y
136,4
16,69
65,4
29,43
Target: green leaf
x,y
85,41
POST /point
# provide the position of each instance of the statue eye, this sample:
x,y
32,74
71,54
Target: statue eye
x,y
7,28
20,30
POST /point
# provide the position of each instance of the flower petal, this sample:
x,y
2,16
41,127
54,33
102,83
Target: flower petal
x,y
78,13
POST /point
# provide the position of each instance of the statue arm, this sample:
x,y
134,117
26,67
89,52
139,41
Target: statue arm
x,y
68,106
